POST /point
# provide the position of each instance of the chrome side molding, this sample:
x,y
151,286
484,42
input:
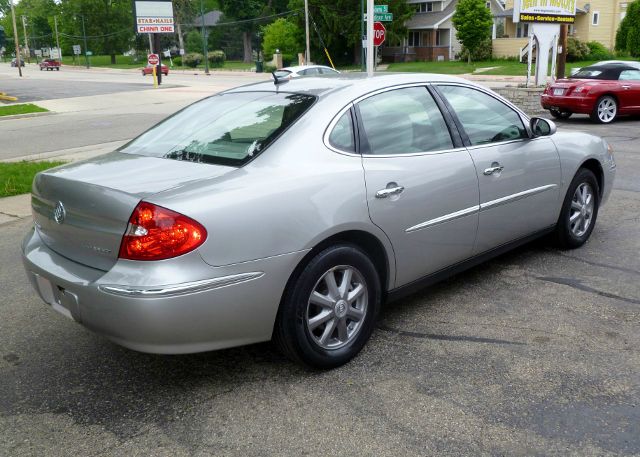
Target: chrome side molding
x,y
179,289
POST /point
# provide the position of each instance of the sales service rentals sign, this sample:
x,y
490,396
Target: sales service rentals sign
x,y
154,16
549,11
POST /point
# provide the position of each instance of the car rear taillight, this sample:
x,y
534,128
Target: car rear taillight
x,y
157,233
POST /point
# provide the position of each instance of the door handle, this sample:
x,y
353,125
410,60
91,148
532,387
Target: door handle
x,y
494,168
384,193
626,87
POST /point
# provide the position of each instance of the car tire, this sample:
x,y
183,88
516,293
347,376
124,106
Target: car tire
x,y
561,114
143,73
41,68
605,110
323,321
579,211
57,68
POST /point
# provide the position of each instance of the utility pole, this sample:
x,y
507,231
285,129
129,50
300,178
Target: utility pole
x,y
55,23
84,34
307,57
370,51
15,38
26,39
362,54
562,56
204,41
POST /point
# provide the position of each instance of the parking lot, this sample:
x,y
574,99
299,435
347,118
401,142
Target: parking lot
x,y
533,353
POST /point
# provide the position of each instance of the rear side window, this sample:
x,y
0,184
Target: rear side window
x,y
485,119
227,129
630,75
403,121
342,136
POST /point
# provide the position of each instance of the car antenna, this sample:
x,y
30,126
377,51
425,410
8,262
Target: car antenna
x,y
277,81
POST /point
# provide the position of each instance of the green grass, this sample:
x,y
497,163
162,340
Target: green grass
x,y
127,63
497,67
21,109
16,177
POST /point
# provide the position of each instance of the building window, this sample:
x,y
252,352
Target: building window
x,y
571,30
596,18
424,7
414,38
488,5
522,30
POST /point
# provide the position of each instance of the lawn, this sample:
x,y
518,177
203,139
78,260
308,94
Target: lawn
x,y
492,67
16,177
126,62
26,108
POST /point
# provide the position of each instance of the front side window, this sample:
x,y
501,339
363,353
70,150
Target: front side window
x,y
403,121
226,129
485,119
630,75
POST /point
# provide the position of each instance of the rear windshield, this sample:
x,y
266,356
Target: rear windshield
x,y
227,129
588,74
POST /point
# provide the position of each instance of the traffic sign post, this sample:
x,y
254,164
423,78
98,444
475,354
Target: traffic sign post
x,y
379,33
154,61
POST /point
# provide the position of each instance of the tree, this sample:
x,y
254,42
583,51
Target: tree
x,y
473,23
283,35
628,36
246,11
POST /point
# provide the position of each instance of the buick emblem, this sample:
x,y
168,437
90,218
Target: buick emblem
x,y
59,213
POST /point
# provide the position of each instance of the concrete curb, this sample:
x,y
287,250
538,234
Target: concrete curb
x,y
26,115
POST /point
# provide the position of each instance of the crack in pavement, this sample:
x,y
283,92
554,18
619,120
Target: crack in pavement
x,y
577,284
597,264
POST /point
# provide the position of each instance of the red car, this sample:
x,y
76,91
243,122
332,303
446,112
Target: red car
x,y
148,70
603,92
49,64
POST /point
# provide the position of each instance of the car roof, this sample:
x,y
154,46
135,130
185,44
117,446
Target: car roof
x,y
350,85
608,71
616,63
297,68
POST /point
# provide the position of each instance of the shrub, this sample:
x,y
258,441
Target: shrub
x,y
192,59
480,53
193,41
283,35
576,50
216,58
597,51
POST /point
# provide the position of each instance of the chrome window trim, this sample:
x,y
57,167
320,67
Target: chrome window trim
x,y
353,103
445,218
518,196
179,289
412,154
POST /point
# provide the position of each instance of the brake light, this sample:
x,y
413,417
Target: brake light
x,y
157,233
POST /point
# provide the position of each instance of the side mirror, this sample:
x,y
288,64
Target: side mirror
x,y
542,127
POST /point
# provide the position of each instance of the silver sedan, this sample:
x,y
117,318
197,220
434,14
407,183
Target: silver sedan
x,y
294,210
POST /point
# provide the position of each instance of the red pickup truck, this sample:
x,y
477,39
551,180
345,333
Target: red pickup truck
x,y
49,64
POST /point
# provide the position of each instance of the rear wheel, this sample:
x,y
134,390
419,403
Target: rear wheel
x,y
579,210
561,114
329,311
605,111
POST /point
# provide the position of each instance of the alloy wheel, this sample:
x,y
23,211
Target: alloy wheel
x,y
337,307
582,208
607,109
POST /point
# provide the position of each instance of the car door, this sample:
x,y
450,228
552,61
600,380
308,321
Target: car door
x,y
422,189
630,86
519,177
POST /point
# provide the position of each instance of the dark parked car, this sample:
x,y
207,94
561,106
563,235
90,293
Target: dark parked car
x,y
601,91
14,63
49,64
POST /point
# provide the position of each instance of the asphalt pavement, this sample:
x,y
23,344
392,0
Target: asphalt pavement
x,y
533,353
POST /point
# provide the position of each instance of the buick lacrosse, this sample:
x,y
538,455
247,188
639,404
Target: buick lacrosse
x,y
293,211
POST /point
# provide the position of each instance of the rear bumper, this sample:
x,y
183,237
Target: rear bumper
x,y
581,105
222,307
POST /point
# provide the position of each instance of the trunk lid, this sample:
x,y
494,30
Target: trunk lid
x,y
81,211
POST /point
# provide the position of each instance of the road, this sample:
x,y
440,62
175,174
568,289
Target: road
x,y
98,106
533,353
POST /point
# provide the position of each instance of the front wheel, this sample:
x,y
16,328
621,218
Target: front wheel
x,y
579,211
605,111
329,311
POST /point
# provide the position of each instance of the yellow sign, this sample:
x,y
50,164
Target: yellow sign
x,y
549,11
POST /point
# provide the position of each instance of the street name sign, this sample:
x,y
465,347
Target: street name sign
x,y
381,8
384,17
154,16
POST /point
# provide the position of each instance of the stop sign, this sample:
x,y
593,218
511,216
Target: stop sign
x,y
379,33
153,59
